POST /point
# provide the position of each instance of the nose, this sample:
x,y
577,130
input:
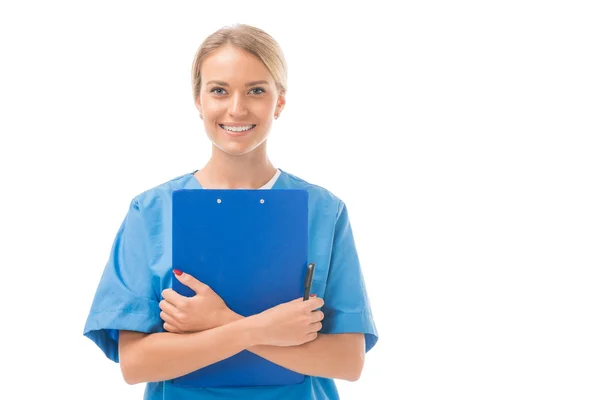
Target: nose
x,y
237,106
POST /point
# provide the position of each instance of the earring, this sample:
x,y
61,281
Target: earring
x,y
276,116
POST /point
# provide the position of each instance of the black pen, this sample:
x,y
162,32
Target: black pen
x,y
308,280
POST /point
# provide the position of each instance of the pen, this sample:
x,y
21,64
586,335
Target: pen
x,y
308,280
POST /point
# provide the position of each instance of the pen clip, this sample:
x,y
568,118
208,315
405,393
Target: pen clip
x,y
309,275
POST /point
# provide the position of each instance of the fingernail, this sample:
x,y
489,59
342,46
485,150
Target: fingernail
x,y
313,295
177,272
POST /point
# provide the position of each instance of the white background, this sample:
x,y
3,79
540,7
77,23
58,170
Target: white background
x,y
463,137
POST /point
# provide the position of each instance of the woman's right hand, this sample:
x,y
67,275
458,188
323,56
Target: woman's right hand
x,y
292,323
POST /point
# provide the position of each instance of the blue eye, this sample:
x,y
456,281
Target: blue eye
x,y
214,90
261,90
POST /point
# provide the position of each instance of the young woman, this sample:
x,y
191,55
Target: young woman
x,y
157,335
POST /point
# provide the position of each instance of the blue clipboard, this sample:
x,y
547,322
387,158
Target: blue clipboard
x,y
251,248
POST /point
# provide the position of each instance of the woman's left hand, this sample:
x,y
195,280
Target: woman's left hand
x,y
205,310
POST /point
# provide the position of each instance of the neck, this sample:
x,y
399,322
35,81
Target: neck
x,y
224,171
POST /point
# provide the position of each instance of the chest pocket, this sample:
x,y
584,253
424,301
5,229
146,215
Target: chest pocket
x,y
318,288
319,283
321,228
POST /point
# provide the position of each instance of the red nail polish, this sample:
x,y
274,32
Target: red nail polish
x,y
177,272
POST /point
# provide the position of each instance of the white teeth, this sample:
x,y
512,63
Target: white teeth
x,y
237,128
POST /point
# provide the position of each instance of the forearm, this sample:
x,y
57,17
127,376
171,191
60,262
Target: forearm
x,y
162,356
329,356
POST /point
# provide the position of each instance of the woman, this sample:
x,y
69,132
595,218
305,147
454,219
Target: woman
x,y
239,87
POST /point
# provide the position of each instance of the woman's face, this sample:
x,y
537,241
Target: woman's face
x,y
238,100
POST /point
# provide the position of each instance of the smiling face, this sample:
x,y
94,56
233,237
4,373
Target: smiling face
x,y
238,100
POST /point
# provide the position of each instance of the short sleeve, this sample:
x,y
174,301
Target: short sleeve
x,y
347,308
125,299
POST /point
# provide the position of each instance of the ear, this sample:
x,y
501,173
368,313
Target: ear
x,y
280,103
199,107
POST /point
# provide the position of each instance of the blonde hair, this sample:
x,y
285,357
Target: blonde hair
x,y
248,38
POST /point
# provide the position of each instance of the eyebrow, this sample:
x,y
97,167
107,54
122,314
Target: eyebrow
x,y
222,83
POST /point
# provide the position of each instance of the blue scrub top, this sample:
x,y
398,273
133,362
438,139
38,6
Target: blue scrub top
x,y
139,269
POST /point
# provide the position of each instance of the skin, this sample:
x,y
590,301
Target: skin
x,y
237,162
202,330
338,356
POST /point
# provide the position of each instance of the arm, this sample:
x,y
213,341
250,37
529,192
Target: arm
x,y
339,356
161,356
166,355
336,356
331,355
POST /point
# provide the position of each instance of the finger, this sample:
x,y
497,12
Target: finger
x,y
301,299
314,302
169,319
311,336
316,316
316,327
169,309
170,328
189,281
174,298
